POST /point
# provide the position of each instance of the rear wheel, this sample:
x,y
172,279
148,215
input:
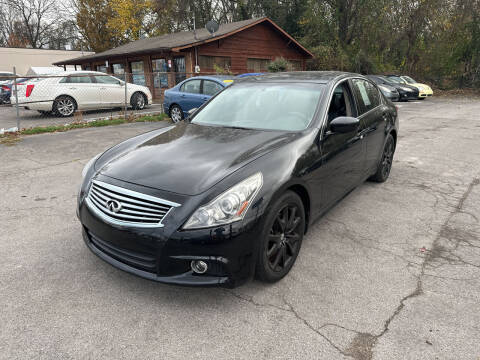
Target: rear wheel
x,y
64,106
176,113
385,165
138,101
282,238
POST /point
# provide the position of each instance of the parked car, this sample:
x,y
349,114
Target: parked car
x,y
82,90
6,76
6,89
405,91
424,89
192,93
231,191
389,91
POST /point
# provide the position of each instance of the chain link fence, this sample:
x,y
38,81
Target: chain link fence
x,y
71,97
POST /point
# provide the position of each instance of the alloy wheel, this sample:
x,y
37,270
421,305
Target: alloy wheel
x,y
283,239
387,158
140,102
176,114
65,107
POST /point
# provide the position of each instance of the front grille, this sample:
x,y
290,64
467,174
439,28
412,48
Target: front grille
x,y
137,260
127,207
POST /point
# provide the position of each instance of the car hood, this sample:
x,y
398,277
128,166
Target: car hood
x,y
188,158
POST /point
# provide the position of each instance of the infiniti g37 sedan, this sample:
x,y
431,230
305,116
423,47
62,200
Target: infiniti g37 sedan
x,y
79,90
230,192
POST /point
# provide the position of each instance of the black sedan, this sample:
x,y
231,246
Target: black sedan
x,y
406,92
230,192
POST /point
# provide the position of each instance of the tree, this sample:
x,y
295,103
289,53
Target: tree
x,y
92,18
34,19
131,19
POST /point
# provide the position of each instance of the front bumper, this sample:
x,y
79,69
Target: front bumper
x,y
408,95
425,93
159,255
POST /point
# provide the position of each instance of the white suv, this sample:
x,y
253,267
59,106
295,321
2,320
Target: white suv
x,y
79,90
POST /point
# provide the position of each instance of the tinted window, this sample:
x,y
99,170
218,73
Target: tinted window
x,y
192,87
85,79
366,94
271,106
341,103
211,87
106,80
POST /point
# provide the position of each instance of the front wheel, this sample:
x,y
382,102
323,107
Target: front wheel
x,y
138,101
64,106
282,238
385,165
176,113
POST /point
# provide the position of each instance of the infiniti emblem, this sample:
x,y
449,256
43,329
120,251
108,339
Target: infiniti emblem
x,y
114,206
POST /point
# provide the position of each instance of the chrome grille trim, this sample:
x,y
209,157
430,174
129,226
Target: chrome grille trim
x,y
137,209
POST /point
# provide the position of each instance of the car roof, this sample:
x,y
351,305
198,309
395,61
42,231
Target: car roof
x,y
321,77
213,77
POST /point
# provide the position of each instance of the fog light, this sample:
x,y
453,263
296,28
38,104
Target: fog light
x,y
199,266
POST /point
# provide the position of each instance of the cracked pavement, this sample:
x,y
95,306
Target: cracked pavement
x,y
392,272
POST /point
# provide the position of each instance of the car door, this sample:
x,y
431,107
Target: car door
x,y
190,95
210,88
343,154
112,92
374,114
82,88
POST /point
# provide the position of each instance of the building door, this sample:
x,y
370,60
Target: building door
x,y
179,68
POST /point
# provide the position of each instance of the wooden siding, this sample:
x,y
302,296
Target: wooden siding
x,y
261,41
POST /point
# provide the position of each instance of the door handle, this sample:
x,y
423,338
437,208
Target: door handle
x,y
182,95
205,98
72,88
103,88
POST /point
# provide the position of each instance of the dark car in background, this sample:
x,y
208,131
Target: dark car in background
x,y
6,89
192,93
230,192
389,91
406,92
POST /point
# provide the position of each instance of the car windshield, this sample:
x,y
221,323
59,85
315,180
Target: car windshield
x,y
396,79
268,106
409,80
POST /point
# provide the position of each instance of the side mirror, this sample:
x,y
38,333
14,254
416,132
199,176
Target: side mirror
x,y
344,124
192,111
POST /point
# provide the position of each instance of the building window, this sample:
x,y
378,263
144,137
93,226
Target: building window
x,y
101,68
160,69
138,74
119,71
179,68
209,62
86,67
257,65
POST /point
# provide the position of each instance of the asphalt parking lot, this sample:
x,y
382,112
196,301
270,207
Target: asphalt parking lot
x,y
31,118
392,272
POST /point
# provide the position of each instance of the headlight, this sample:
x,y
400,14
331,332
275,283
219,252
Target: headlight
x,y
384,88
230,206
89,165
405,88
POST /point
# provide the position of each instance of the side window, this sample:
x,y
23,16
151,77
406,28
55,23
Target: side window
x,y
106,80
366,94
341,103
63,80
85,79
192,87
211,87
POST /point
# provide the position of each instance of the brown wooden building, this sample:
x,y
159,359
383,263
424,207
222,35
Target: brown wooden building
x,y
163,61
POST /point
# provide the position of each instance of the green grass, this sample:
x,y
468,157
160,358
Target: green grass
x,y
82,125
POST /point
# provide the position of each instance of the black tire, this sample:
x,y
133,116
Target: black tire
x,y
282,237
64,106
138,101
176,113
421,98
385,165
